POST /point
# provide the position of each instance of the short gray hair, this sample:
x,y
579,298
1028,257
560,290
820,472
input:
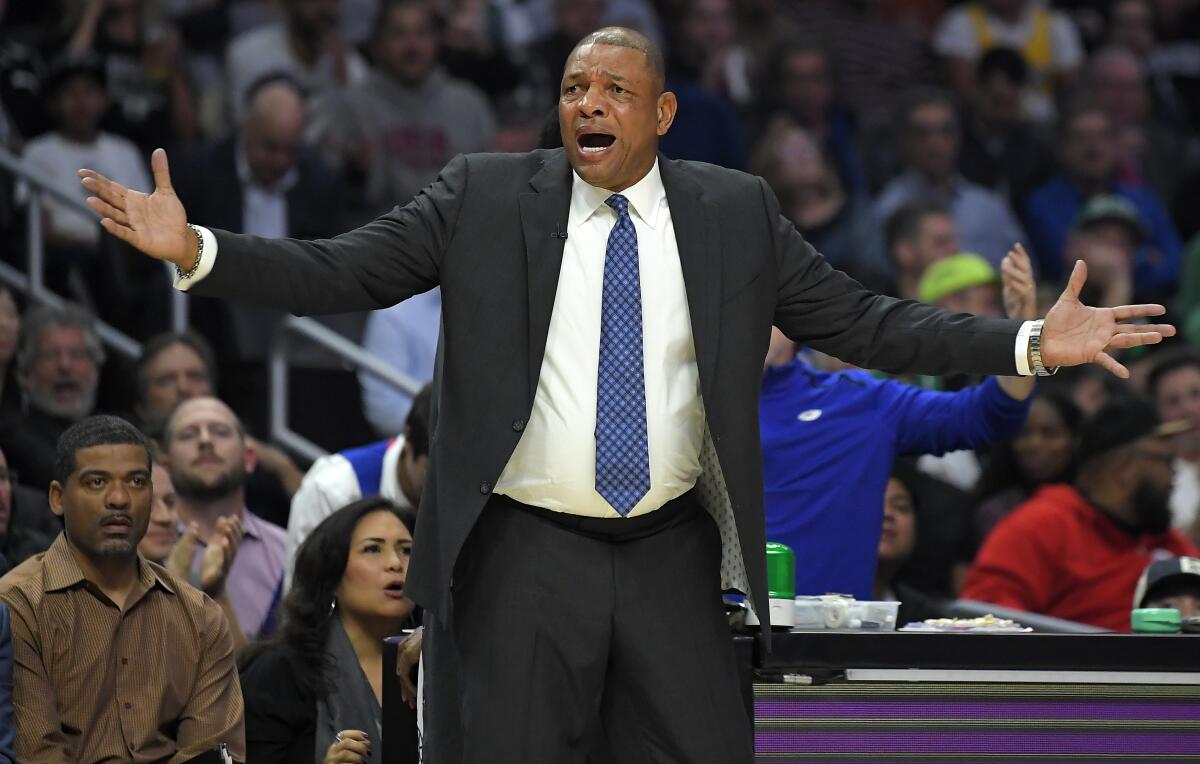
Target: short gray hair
x,y
623,37
44,317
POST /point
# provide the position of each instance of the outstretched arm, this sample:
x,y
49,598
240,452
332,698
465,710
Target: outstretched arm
x,y
822,307
375,266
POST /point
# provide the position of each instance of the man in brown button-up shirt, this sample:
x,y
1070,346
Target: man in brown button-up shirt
x,y
116,660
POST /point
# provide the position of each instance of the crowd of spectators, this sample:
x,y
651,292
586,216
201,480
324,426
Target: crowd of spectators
x,y
914,143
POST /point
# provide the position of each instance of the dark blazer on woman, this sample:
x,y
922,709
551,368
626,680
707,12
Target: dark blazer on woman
x,y
281,714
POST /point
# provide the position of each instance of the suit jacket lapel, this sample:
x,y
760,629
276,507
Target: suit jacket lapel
x,y
698,238
544,212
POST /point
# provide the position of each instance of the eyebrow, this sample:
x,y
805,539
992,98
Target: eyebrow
x,y
98,472
604,72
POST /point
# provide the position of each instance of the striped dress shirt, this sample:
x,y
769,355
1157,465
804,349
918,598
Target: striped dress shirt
x,y
155,682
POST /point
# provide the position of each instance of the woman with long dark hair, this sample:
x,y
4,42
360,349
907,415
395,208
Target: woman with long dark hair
x,y
1042,452
314,693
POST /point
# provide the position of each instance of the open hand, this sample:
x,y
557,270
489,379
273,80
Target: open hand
x,y
155,224
1075,333
219,554
1019,288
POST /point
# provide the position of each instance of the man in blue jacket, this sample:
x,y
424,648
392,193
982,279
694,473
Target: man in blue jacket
x,y
829,440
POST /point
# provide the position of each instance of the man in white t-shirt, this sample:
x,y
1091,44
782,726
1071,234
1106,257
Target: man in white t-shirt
x,y
393,468
1047,40
76,94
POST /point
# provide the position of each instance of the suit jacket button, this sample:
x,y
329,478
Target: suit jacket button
x,y
485,487
518,425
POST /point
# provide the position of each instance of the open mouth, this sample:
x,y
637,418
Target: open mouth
x,y
595,142
395,590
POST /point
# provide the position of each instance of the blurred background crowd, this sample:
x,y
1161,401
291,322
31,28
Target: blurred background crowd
x,y
912,142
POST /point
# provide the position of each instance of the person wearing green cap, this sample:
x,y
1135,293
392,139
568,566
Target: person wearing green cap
x,y
964,283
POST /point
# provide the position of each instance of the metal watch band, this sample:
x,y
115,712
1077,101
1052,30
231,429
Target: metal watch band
x,y
1035,352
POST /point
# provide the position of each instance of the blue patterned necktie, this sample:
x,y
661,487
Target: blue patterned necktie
x,y
622,454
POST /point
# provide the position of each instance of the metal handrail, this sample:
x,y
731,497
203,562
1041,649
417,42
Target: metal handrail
x,y
338,345
33,283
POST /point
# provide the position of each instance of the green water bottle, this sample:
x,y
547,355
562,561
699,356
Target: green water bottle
x,y
781,585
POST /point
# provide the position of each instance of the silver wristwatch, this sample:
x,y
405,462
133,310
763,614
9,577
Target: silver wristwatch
x,y
1035,352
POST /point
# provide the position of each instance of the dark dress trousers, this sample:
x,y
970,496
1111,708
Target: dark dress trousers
x,y
483,232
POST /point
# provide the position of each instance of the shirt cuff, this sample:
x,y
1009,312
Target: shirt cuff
x,y
1021,349
208,256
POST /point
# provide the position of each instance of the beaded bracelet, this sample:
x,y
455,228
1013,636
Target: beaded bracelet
x,y
199,256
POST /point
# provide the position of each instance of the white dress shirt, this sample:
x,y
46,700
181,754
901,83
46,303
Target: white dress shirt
x,y
554,464
264,208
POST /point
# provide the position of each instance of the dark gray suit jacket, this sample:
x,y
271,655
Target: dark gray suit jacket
x,y
483,232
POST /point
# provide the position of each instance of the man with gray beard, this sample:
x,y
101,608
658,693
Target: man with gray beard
x,y
58,368
208,457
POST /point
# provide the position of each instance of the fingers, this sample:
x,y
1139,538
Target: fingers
x,y
1127,312
180,559
351,747
359,748
161,170
1133,339
110,191
408,690
1166,330
1019,259
1018,266
233,534
1105,360
1078,279
107,210
122,232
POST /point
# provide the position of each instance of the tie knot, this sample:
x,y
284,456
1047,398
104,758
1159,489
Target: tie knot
x,y
619,203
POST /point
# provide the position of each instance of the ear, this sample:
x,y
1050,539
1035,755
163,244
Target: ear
x,y
667,106
55,496
251,458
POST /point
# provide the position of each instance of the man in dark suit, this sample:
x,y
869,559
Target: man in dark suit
x,y
606,313
263,181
